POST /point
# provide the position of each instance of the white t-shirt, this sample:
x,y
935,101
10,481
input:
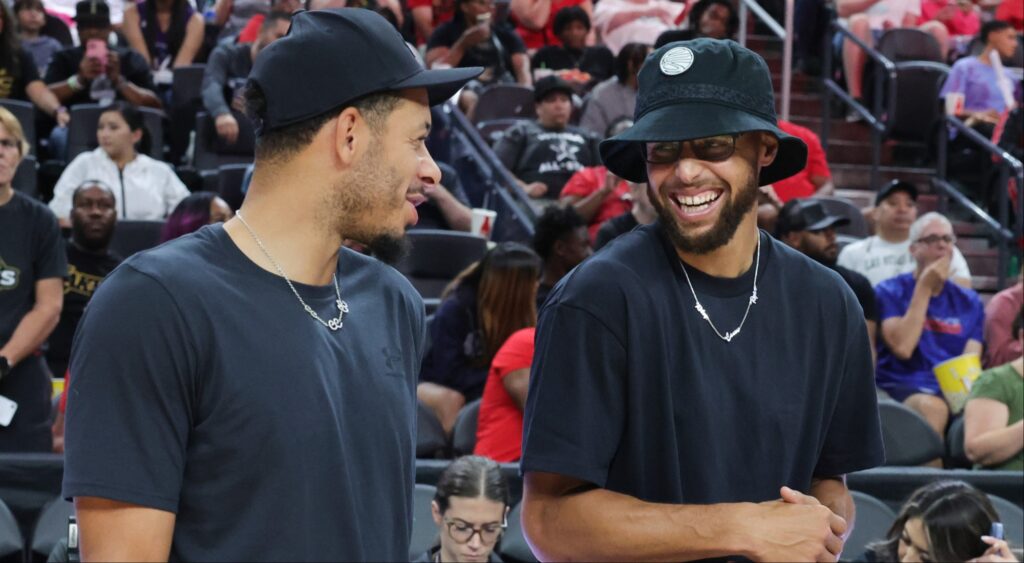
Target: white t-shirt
x,y
879,260
890,13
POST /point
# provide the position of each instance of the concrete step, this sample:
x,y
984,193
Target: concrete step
x,y
858,176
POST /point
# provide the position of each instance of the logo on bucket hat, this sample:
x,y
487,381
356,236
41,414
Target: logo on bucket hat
x,y
676,61
728,92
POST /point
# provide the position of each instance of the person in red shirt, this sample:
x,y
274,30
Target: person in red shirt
x,y
1011,11
597,195
959,16
815,178
428,14
499,431
251,32
536,17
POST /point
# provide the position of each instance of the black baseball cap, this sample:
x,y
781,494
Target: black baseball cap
x,y
806,215
332,57
92,13
549,84
702,88
896,186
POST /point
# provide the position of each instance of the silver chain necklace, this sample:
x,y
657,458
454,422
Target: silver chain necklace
x,y
333,324
728,336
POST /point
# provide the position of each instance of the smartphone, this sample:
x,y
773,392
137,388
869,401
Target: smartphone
x,y
96,49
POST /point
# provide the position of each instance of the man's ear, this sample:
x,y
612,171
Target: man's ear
x,y
769,149
350,130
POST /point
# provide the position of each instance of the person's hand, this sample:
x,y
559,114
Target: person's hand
x,y
999,551
62,116
536,189
227,127
114,67
238,102
802,531
988,116
935,275
89,68
610,182
946,14
476,34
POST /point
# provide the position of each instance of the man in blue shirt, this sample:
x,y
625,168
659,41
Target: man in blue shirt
x,y
926,319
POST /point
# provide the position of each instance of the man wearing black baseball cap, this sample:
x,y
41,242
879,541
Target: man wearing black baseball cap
x,y
721,383
247,392
805,225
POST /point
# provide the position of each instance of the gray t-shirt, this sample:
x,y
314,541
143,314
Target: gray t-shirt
x,y
201,387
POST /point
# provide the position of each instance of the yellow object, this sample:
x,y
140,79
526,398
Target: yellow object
x,y
956,376
58,386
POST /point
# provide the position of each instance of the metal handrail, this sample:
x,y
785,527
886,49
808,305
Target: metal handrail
x,y
873,118
1006,161
784,33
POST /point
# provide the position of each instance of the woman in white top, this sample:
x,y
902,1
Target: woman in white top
x,y
145,188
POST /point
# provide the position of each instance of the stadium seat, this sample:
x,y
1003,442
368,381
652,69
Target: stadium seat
x,y
513,544
134,236
229,184
86,117
212,153
187,84
26,177
907,437
424,531
464,433
26,114
51,527
430,439
909,44
504,100
436,257
11,541
915,113
841,206
955,452
1012,517
874,519
492,129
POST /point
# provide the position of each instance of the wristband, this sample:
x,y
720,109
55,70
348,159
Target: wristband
x,y
74,83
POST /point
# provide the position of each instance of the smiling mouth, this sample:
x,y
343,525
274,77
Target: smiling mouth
x,y
697,203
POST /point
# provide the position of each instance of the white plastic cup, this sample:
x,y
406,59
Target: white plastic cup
x,y
954,103
483,222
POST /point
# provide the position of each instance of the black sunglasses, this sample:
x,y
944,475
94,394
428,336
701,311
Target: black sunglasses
x,y
710,149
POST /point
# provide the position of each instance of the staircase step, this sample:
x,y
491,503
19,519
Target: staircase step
x,y
858,176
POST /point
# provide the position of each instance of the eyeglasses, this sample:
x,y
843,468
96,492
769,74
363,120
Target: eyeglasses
x,y
462,532
710,149
9,144
934,239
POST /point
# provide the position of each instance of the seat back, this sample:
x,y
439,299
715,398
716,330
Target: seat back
x,y
229,183
956,452
51,526
187,84
211,153
11,541
1012,517
464,433
908,439
513,542
25,112
916,111
26,177
858,226
135,236
85,119
909,44
424,531
874,518
504,100
436,257
431,441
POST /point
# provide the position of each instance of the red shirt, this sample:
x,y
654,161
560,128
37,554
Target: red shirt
x,y
962,23
443,11
251,32
1011,11
499,430
588,181
546,35
799,185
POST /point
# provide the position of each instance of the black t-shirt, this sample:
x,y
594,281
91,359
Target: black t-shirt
x,y
201,387
65,63
597,61
614,227
535,154
862,289
488,54
633,392
86,271
14,80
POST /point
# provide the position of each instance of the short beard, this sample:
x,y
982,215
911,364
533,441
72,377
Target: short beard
x,y
721,232
96,245
388,248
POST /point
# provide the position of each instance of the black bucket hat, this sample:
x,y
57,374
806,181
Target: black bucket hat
x,y
92,13
702,88
332,57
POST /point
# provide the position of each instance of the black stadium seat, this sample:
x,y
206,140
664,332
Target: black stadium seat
x,y
86,117
424,531
51,527
135,236
212,153
908,439
874,519
464,433
229,184
1012,517
26,114
513,543
504,100
436,257
492,129
26,177
11,541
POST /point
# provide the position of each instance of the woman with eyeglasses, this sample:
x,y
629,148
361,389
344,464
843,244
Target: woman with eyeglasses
x,y
470,509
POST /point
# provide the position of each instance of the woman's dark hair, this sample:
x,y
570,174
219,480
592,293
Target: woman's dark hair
x,y
471,476
629,60
731,26
189,216
135,120
506,294
567,15
954,516
175,30
992,27
9,43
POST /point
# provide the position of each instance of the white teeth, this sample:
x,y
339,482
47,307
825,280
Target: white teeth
x,y
703,200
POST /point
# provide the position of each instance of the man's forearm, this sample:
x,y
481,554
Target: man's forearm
x,y
33,330
903,339
832,492
63,92
138,96
996,446
458,216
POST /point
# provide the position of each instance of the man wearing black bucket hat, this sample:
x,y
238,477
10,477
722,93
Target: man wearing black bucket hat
x,y
699,389
248,392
